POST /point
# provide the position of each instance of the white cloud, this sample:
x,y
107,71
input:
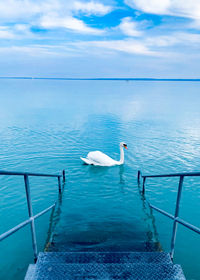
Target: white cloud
x,y
22,27
17,31
21,9
161,41
127,46
195,24
68,22
92,7
150,6
25,9
129,27
51,13
181,8
6,33
82,48
39,50
154,46
174,39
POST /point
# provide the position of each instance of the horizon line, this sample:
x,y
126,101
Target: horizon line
x,y
101,79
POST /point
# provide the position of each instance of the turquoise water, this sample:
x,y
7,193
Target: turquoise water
x,y
45,126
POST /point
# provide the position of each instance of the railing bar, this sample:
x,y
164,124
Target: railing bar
x,y
162,212
13,230
29,174
43,175
138,176
178,220
172,175
44,211
63,174
174,231
188,225
59,184
30,213
23,224
143,185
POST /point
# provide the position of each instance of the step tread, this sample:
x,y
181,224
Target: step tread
x,y
105,257
30,274
57,271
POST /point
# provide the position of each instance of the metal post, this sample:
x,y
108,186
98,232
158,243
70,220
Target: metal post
x,y
63,173
30,213
138,176
59,184
173,240
143,185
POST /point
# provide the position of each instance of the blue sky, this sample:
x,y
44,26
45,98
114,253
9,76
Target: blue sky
x,y
103,38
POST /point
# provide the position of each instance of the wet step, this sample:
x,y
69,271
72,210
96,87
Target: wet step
x,y
105,257
30,274
128,271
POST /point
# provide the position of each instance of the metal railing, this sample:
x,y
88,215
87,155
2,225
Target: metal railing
x,y
32,217
176,219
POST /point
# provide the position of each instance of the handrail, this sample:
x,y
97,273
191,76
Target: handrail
x,y
32,217
3,172
173,175
175,218
180,221
23,224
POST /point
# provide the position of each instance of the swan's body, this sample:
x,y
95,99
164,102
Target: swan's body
x,y
100,159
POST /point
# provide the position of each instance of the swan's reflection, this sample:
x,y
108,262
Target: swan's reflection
x,y
121,175
101,170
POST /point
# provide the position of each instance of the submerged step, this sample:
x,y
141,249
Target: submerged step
x,y
105,257
128,271
122,247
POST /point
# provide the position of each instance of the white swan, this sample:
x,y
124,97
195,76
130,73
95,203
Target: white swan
x,y
101,159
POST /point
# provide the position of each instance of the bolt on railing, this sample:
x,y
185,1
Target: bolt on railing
x,y
32,218
175,218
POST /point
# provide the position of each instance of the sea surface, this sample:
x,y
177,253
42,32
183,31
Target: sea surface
x,y
47,125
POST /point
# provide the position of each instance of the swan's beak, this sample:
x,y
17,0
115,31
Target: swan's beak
x,y
126,147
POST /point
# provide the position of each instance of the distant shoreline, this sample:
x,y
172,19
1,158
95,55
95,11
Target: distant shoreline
x,y
104,79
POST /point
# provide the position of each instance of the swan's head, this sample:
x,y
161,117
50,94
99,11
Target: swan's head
x,y
124,145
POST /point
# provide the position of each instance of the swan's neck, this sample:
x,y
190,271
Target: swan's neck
x,y
121,155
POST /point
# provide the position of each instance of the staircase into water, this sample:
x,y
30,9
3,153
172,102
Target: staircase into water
x,y
142,260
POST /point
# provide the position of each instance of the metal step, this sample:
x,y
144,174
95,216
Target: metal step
x,y
105,257
122,247
30,274
91,271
